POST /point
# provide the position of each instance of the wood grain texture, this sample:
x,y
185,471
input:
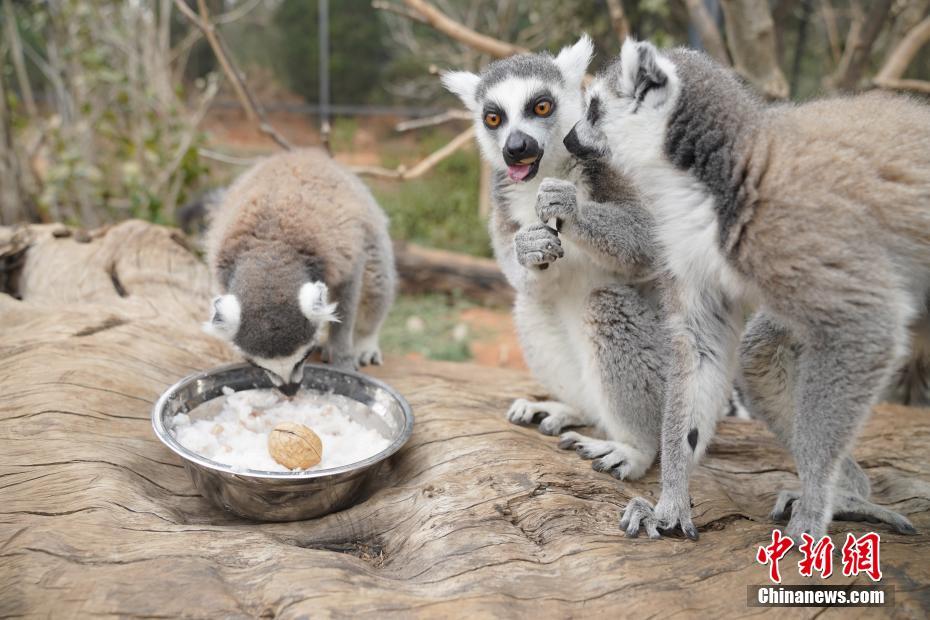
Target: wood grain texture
x,y
479,518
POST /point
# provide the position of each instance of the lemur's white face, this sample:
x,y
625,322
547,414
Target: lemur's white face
x,y
523,117
627,109
265,348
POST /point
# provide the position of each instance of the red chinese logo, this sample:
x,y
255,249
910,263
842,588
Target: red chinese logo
x,y
817,557
860,555
773,553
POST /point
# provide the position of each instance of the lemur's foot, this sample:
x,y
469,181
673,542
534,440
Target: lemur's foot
x,y
552,416
846,507
620,460
340,360
665,518
368,352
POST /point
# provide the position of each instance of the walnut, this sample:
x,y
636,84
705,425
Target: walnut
x,y
295,446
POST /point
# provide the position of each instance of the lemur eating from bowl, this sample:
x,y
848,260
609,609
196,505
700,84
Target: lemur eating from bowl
x,y
819,214
586,310
298,246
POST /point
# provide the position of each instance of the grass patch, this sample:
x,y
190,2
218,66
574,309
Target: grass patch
x,y
440,209
426,325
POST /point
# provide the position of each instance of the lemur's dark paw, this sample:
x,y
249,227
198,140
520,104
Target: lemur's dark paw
x,y
848,507
783,505
665,519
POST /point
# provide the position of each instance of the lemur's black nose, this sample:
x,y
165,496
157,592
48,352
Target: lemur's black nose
x,y
519,147
574,146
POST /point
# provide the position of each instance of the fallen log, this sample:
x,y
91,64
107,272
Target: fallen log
x,y
477,518
426,270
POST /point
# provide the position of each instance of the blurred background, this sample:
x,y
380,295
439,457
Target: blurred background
x,y
138,108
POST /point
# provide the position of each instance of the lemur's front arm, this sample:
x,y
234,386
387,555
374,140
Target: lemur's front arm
x,y
618,234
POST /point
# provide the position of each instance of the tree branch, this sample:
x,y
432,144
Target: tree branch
x,y
917,86
707,28
252,108
402,173
454,30
900,57
751,39
858,56
431,121
390,7
618,19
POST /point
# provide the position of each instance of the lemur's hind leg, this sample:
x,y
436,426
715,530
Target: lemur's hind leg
x,y
378,292
770,368
551,415
627,344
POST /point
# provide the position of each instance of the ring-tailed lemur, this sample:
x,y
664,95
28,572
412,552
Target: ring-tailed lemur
x,y
818,213
299,243
586,304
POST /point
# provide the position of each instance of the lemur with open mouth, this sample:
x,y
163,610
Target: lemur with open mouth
x,y
819,214
586,306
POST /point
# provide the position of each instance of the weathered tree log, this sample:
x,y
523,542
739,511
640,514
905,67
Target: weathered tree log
x,y
427,270
478,518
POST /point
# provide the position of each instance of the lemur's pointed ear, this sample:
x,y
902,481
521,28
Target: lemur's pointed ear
x,y
227,315
574,59
463,85
641,70
314,303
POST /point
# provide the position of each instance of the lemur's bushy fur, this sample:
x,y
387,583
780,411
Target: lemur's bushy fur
x,y
297,243
586,306
819,214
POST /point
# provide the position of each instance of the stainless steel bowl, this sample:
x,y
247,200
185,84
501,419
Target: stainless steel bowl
x,y
284,496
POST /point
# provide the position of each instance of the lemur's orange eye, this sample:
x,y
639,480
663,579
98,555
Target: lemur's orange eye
x,y
543,108
492,120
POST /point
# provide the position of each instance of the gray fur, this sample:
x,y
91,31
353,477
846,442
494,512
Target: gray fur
x,y
541,66
707,132
602,257
770,357
824,228
297,219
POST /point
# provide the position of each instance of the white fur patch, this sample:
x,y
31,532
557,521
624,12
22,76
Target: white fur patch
x,y
282,368
227,315
314,303
574,60
463,85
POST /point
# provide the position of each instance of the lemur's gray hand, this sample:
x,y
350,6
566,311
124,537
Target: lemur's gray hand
x,y
536,246
557,199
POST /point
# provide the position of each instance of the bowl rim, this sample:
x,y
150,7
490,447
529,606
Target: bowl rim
x,y
165,436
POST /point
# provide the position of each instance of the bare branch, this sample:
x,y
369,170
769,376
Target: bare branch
x,y
900,57
431,121
390,7
857,53
833,33
917,86
401,173
751,39
226,159
453,29
16,54
618,19
252,108
707,28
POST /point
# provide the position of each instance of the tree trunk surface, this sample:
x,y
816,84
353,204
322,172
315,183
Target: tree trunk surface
x,y
478,517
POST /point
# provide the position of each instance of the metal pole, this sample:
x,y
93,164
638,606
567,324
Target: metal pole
x,y
323,14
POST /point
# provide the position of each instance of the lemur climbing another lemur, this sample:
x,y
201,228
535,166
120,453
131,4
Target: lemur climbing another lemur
x,y
297,245
586,309
817,213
